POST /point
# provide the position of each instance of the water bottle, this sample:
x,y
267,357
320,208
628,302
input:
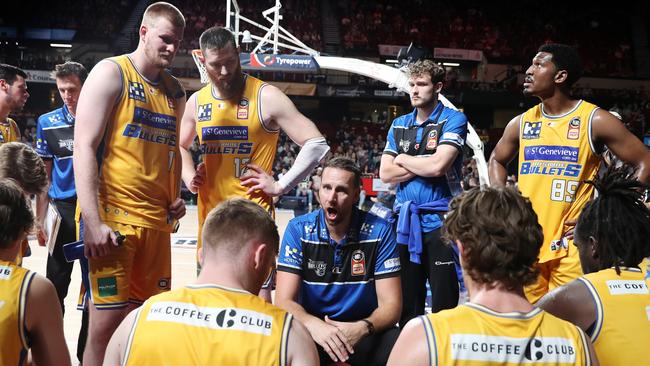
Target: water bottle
x,y
75,250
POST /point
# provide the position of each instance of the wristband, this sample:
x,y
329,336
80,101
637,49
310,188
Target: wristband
x,y
369,325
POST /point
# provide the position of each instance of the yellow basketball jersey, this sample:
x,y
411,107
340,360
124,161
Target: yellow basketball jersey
x,y
208,325
555,155
14,284
232,134
645,268
472,335
139,172
9,131
621,333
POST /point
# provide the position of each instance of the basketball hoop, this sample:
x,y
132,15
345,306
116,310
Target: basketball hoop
x,y
196,54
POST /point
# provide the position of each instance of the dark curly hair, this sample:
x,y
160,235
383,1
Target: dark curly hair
x,y
500,235
565,58
617,219
16,215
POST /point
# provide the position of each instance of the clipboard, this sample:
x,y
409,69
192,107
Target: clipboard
x,y
51,226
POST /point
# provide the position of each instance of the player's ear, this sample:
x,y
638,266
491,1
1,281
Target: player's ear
x,y
142,32
259,257
201,256
561,76
438,87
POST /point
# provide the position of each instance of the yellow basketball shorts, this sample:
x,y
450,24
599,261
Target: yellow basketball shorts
x,y
131,273
555,273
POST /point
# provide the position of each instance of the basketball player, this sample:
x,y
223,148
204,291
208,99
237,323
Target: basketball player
x,y
29,315
21,163
127,121
218,320
611,301
498,237
559,142
13,96
238,118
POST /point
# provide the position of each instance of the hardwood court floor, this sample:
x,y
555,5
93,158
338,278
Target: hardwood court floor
x,y
183,268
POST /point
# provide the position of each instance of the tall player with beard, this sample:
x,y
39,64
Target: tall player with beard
x,y
238,118
13,96
127,174
560,142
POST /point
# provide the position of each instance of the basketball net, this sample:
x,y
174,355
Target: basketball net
x,y
196,54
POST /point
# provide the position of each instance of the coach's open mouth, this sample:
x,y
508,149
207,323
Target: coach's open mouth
x,y
331,213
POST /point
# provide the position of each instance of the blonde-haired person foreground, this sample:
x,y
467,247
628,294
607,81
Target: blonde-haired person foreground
x,y
219,320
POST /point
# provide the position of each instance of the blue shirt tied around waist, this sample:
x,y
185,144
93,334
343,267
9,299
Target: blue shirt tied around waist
x,y
409,231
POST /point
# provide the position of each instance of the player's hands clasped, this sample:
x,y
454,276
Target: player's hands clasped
x,y
332,339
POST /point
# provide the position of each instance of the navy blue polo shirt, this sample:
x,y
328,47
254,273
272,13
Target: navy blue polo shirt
x,y
338,279
54,140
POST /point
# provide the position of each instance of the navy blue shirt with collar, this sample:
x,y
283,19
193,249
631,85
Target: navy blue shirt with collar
x,y
338,279
54,140
445,126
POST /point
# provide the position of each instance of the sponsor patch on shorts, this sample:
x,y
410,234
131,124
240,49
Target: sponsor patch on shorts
x,y
107,286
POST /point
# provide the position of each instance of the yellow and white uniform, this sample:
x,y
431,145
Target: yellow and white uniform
x,y
139,177
14,286
208,325
474,335
9,131
621,332
232,134
556,154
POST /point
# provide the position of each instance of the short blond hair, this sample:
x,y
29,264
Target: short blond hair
x,y
163,10
426,67
235,222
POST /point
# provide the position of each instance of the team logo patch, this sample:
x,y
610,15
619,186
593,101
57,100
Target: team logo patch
x,y
170,103
242,109
432,140
367,228
405,144
55,118
559,245
66,144
574,129
318,266
292,255
205,112
136,91
358,263
532,130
